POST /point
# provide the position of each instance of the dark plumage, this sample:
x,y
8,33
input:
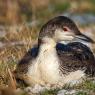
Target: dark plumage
x,y
78,57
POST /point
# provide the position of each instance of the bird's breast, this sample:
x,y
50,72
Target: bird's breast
x,y
46,67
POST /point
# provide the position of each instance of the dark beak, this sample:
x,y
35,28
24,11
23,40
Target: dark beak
x,y
85,38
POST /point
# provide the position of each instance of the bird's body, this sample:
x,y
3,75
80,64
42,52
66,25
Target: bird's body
x,y
52,64
76,62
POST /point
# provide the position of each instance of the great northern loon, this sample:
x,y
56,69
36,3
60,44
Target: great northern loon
x,y
55,64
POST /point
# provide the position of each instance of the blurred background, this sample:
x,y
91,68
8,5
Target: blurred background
x,y
21,20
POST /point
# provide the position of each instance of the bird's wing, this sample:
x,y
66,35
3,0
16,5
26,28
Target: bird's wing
x,y
76,56
23,64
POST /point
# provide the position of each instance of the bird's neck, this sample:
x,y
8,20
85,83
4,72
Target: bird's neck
x,y
47,45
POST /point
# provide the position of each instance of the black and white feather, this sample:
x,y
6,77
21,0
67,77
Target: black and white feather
x,y
54,63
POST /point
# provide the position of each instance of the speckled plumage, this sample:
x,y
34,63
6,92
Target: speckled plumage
x,y
77,56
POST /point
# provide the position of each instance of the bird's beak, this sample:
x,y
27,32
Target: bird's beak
x,y
85,38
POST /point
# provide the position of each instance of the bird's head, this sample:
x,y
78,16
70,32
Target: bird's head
x,y
59,29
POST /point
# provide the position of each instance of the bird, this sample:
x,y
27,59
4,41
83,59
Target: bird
x,y
58,58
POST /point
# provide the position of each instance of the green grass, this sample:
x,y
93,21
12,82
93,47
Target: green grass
x,y
50,92
81,93
90,85
84,88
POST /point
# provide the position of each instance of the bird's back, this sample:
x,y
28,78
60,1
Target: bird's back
x,y
76,56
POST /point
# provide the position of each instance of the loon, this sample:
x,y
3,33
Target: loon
x,y
54,63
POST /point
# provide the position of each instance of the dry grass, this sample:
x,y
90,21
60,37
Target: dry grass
x,y
17,43
19,39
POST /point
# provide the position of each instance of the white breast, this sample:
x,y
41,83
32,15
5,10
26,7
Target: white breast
x,y
45,69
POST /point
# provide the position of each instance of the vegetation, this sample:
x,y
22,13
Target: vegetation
x,y
21,21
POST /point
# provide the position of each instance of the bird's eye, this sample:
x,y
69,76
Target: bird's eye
x,y
65,29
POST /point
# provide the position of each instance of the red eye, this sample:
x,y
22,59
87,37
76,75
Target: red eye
x,y
65,29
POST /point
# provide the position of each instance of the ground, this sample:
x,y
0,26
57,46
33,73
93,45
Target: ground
x,y
16,40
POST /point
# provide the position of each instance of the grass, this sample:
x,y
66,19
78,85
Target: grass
x,y
10,54
81,93
13,51
86,88
50,92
